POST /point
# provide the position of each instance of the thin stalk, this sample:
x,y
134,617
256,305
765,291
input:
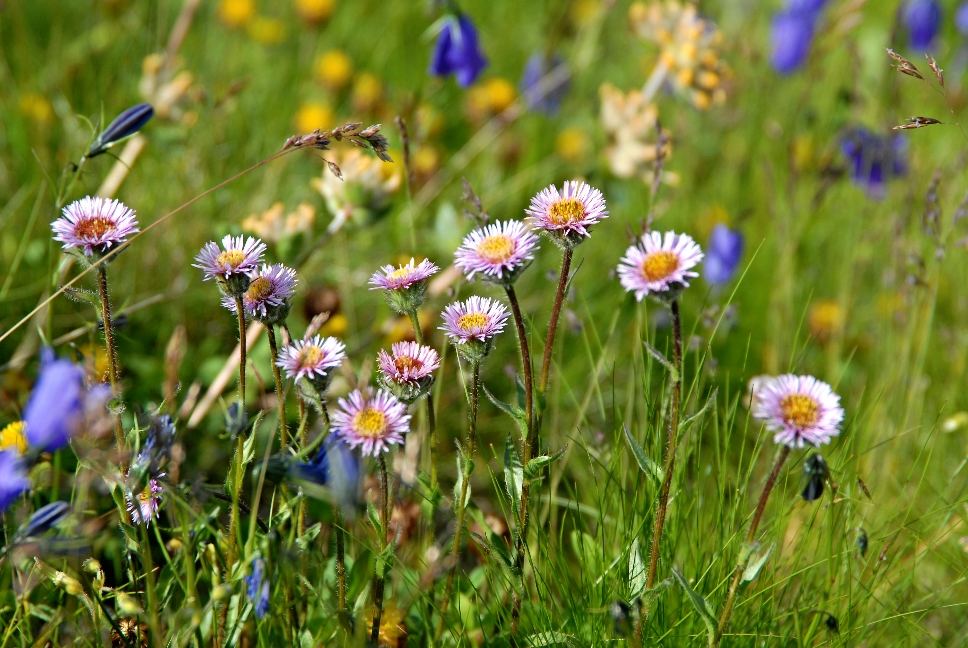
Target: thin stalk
x,y
340,564
234,515
525,452
280,393
379,581
150,593
781,458
470,445
553,323
431,418
110,348
672,437
240,312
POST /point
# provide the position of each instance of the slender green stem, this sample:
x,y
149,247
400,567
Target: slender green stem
x,y
110,348
750,537
383,568
553,323
150,593
672,437
280,392
234,515
340,562
470,448
431,418
240,312
526,446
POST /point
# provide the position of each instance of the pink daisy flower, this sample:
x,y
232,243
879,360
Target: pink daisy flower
x,y
373,422
478,318
239,255
144,507
567,214
799,410
403,276
659,263
311,359
408,362
498,251
267,297
93,224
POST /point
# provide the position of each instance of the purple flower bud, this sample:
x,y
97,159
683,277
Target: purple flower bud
x,y
792,34
13,478
43,519
545,83
922,19
874,159
723,254
458,52
961,18
124,125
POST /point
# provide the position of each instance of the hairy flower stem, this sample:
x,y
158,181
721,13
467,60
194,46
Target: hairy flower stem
x,y
280,393
750,537
110,348
526,446
150,591
672,434
553,322
239,442
240,312
340,563
470,447
431,419
383,568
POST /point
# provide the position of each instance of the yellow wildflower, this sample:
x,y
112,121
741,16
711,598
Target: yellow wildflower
x,y
572,144
14,437
36,108
825,319
236,13
266,31
333,69
367,92
313,115
314,11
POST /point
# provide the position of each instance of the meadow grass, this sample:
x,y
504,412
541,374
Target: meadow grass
x,y
878,560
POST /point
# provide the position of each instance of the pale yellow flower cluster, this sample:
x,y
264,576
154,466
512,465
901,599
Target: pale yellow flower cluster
x,y
274,224
631,123
365,190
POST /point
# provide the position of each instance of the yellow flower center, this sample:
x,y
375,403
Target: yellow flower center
x,y
370,422
567,211
258,290
93,228
471,321
14,437
403,363
400,273
231,258
310,356
659,265
800,410
496,249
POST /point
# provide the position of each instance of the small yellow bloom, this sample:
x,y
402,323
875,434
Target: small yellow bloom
x,y
36,108
572,144
825,318
14,437
334,69
583,12
266,31
314,11
236,13
313,115
500,94
425,160
336,326
367,92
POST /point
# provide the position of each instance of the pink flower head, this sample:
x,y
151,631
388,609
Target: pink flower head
x,y
143,507
403,276
408,362
311,359
659,263
267,297
373,422
566,215
799,410
93,224
498,251
239,255
478,318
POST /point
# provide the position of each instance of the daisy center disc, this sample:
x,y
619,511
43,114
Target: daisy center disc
x,y
496,249
800,410
566,212
400,273
259,289
659,265
230,258
471,321
402,363
310,356
370,422
94,228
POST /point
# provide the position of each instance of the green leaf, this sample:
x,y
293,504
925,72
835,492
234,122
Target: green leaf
x,y
655,353
550,638
698,602
305,541
648,466
513,411
636,571
755,565
695,417
538,464
513,475
464,469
